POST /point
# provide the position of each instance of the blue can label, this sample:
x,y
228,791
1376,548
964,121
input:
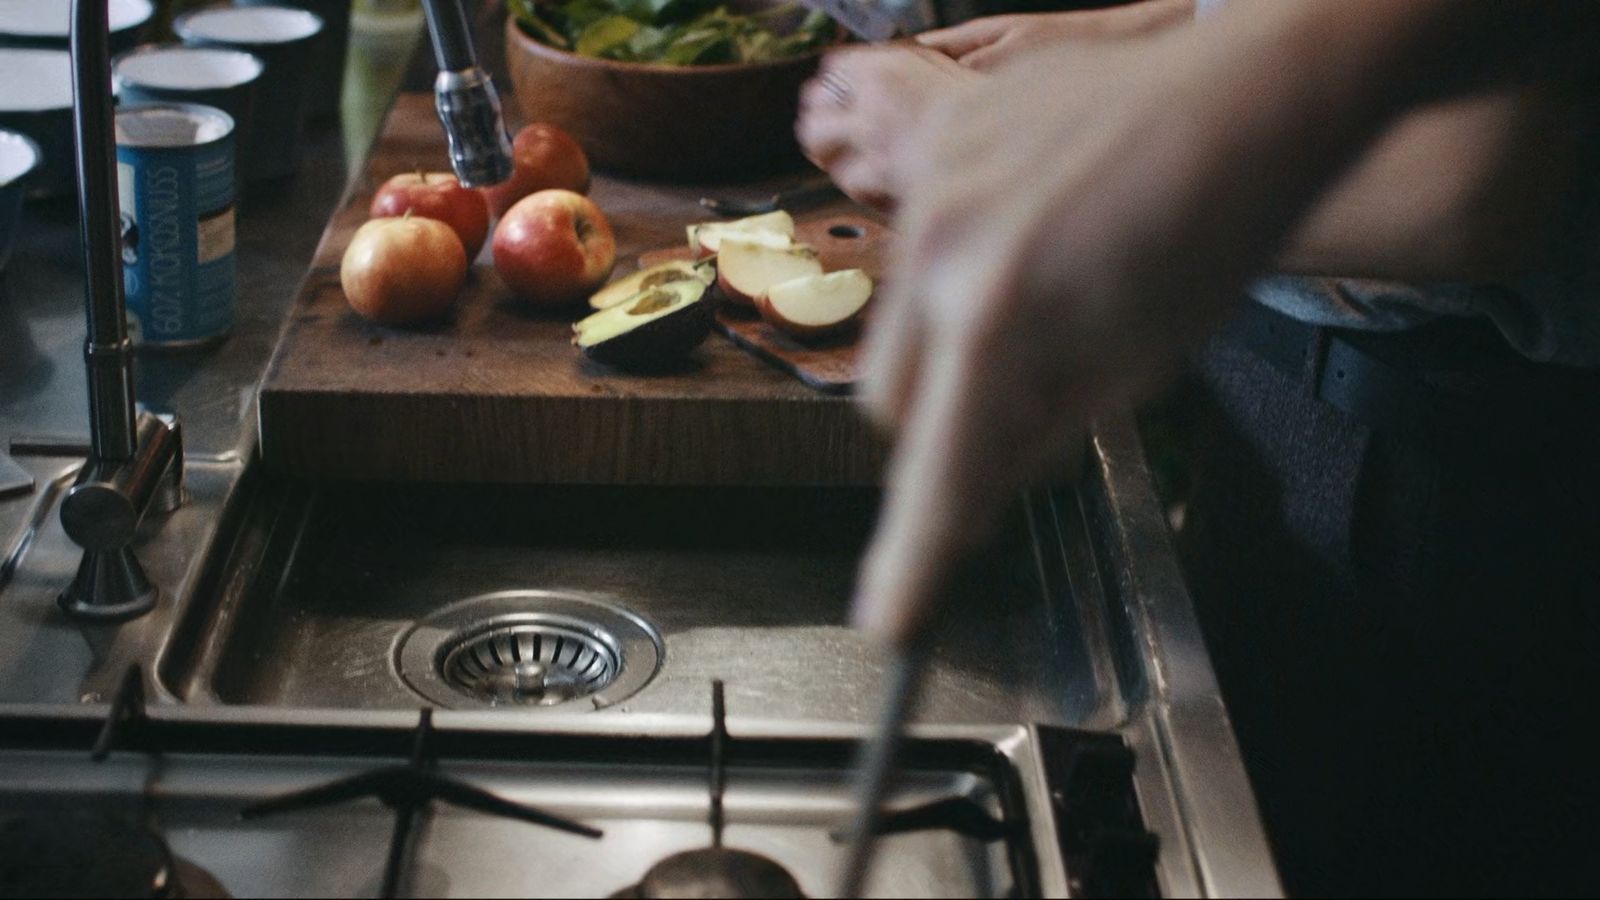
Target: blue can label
x,y
177,230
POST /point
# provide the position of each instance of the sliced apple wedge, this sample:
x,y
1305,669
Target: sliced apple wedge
x,y
654,276
816,305
776,229
746,268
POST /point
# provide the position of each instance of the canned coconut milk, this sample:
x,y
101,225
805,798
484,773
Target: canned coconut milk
x,y
175,184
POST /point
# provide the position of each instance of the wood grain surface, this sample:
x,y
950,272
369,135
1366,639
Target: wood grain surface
x,y
497,393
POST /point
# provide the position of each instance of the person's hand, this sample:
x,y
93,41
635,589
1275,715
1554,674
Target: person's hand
x,y
864,100
1070,225
1049,267
857,111
992,41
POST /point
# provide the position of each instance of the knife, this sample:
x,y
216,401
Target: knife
x,y
876,758
811,192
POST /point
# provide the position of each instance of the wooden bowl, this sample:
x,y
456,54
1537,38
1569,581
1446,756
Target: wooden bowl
x,y
677,123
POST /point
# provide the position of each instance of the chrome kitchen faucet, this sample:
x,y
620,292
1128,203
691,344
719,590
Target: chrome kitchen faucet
x,y
135,458
469,107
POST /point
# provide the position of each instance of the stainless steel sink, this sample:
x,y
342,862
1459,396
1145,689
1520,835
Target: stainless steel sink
x,y
525,598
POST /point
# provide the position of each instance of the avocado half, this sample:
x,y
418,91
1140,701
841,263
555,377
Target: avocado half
x,y
655,276
651,329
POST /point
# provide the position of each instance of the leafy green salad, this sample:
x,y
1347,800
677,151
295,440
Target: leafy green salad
x,y
674,32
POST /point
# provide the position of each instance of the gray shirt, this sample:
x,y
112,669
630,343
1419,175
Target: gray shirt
x,y
1550,314
1546,318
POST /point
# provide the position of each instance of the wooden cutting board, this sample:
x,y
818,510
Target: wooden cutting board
x,y
842,241
498,394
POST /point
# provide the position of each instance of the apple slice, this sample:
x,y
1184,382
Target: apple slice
x,y
816,305
775,229
746,268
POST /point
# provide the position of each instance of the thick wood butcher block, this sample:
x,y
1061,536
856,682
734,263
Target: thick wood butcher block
x,y
498,394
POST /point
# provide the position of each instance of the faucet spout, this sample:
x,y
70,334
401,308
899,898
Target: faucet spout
x,y
108,353
469,107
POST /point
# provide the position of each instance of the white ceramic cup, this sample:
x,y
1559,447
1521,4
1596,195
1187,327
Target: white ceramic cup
x,y
47,23
208,76
36,100
285,40
19,158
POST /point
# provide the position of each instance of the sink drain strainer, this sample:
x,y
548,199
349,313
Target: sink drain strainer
x,y
530,663
528,649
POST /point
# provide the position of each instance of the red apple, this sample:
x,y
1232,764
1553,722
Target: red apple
x,y
436,195
554,248
542,157
405,270
816,305
747,268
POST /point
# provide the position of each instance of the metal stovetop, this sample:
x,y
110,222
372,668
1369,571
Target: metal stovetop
x,y
970,813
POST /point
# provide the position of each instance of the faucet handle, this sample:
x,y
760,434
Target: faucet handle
x,y
102,512
103,509
469,109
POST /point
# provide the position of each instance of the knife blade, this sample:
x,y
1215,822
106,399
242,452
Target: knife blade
x,y
875,763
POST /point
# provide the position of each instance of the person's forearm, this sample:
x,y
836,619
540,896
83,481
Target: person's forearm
x,y
1300,90
1141,17
1461,190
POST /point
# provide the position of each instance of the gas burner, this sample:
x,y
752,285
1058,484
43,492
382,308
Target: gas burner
x,y
79,854
714,872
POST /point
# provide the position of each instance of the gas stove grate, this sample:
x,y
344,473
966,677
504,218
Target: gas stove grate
x,y
1091,815
407,789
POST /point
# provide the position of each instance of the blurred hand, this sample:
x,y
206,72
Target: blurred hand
x,y
865,100
861,106
1072,224
990,42
1048,267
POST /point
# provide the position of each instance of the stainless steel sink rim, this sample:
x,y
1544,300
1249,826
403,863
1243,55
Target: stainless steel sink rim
x,y
620,652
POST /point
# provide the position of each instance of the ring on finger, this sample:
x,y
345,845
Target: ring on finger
x,y
836,87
